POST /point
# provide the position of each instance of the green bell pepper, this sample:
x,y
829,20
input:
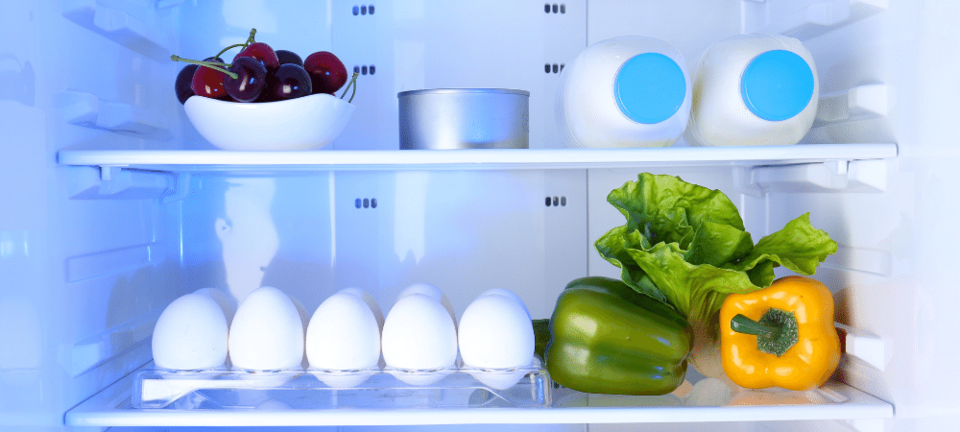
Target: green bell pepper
x,y
607,338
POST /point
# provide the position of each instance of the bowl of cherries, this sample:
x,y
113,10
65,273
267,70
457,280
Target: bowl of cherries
x,y
266,99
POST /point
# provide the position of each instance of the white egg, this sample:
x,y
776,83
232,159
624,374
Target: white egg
x,y
419,334
432,292
190,334
371,302
343,335
496,333
267,332
226,302
507,293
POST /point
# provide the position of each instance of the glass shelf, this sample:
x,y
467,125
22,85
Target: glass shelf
x,y
340,160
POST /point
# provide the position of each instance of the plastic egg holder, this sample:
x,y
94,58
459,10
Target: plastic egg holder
x,y
225,388
304,123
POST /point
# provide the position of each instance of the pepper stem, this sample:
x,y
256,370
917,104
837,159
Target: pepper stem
x,y
742,324
776,331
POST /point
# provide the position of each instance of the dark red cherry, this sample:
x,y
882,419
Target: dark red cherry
x,y
262,53
250,80
289,57
327,72
183,84
291,81
208,82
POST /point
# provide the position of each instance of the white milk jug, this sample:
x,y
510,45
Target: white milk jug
x,y
753,90
629,91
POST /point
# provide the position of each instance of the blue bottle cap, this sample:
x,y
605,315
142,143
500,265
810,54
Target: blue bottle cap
x,y
649,88
777,85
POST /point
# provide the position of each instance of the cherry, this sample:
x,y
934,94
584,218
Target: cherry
x,y
208,82
249,82
261,52
183,83
291,81
289,57
326,72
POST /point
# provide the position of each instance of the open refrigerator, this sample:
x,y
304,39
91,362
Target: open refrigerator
x,y
112,205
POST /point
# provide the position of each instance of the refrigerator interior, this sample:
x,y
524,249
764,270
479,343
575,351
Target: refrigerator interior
x,y
111,209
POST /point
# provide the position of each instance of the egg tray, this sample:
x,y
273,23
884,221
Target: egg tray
x,y
384,387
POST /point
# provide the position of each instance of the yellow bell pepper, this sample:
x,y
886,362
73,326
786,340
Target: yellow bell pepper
x,y
780,336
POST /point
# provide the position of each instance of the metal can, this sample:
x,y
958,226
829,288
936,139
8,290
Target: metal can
x,y
464,118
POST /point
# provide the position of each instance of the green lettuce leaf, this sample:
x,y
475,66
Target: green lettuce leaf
x,y
685,245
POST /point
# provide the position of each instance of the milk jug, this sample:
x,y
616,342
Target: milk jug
x,y
753,90
629,91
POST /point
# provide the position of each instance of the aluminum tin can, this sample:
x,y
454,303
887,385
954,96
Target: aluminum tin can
x,y
464,118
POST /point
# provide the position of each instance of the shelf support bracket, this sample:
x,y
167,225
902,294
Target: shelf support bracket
x,y
827,176
181,189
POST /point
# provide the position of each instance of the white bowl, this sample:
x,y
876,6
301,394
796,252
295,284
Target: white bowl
x,y
304,123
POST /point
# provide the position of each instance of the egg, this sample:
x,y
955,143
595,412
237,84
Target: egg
x,y
371,302
418,334
507,293
267,332
343,334
191,334
495,332
226,302
432,292
343,339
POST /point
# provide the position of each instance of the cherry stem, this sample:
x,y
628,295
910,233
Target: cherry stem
x,y
353,82
246,43
212,65
228,48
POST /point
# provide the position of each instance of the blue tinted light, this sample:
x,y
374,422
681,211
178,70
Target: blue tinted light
x,y
649,88
777,85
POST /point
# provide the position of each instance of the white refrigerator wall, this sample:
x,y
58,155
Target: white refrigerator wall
x,y
81,279
88,259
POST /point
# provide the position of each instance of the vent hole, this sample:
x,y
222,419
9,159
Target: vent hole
x,y
555,8
370,8
563,8
560,201
365,203
356,10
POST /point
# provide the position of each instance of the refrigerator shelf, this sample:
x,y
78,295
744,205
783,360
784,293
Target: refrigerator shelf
x,y
342,160
834,401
